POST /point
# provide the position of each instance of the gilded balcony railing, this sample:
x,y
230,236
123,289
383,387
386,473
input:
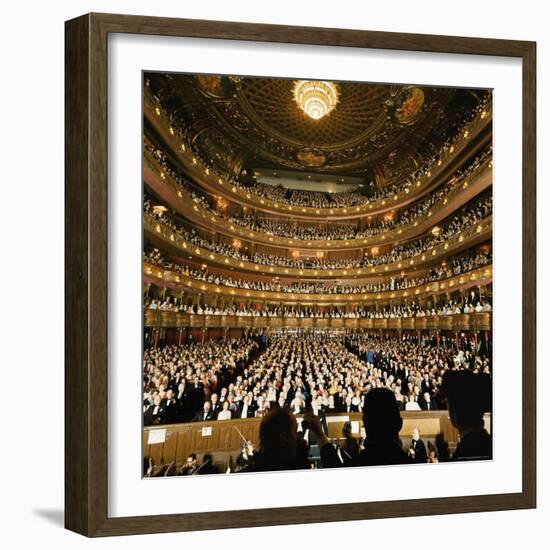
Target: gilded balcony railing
x,y
470,235
184,203
460,322
165,277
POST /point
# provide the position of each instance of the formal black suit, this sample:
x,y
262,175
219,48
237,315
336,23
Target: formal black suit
x,y
196,397
426,387
250,412
431,406
171,411
153,415
185,412
201,416
420,454
476,445
216,408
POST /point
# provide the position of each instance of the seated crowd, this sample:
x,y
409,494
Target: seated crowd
x,y
456,267
322,373
333,231
473,304
316,376
455,224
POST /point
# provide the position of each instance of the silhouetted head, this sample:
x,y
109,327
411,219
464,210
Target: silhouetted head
x,y
468,397
381,414
278,435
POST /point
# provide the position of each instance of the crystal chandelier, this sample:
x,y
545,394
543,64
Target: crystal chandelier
x,y
316,98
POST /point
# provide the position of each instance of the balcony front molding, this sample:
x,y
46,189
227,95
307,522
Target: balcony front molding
x,y
178,281
458,322
470,236
174,195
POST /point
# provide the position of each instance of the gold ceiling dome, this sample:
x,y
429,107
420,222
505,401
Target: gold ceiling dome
x,y
261,123
315,97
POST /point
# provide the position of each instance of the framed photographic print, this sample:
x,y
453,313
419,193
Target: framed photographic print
x,y
300,272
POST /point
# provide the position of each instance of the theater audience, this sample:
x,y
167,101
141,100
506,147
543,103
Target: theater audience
x,y
469,214
458,266
295,381
284,447
413,309
320,372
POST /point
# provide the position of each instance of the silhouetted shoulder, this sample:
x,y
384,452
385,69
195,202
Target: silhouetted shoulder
x,y
477,445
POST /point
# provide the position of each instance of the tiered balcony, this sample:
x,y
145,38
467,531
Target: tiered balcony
x,y
173,194
162,235
180,282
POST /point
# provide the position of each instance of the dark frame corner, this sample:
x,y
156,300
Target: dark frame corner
x,y
86,315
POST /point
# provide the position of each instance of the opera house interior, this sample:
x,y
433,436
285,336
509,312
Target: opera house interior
x,y
317,274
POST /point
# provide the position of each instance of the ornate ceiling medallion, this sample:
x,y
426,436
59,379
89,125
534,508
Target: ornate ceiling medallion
x,y
215,85
408,105
311,157
316,98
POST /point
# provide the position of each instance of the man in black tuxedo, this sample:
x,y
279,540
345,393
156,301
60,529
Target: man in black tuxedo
x,y
154,413
246,410
182,399
196,395
216,405
427,402
427,386
206,414
170,408
417,450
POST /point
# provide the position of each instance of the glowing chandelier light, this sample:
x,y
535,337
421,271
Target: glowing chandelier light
x,y
316,98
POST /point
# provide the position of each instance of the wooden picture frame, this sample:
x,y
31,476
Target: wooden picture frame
x,y
86,281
